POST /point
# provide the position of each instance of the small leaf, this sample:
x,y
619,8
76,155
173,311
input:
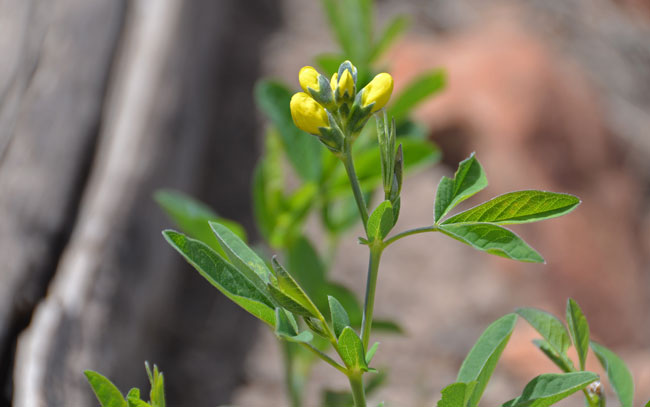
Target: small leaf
x,y
468,180
224,276
371,352
547,349
241,256
133,399
393,30
519,207
351,350
492,239
547,389
617,372
416,91
192,217
381,221
307,268
551,328
106,392
340,318
288,286
456,395
303,150
579,330
349,302
286,328
482,359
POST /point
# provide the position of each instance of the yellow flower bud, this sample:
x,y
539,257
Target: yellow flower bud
x,y
378,90
346,84
308,78
334,81
307,114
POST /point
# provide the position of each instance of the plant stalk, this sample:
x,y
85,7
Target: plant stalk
x,y
371,285
354,182
358,392
410,232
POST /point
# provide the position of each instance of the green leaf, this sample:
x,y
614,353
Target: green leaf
x,y
482,359
468,180
579,329
106,392
157,392
349,302
519,207
340,318
192,217
417,91
133,399
303,150
547,349
288,223
371,352
393,30
617,372
381,221
241,256
224,276
290,288
492,239
417,154
307,268
550,327
648,404
457,395
351,350
548,389
268,185
287,328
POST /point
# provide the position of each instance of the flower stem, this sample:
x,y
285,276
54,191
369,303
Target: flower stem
x,y
358,392
371,285
354,182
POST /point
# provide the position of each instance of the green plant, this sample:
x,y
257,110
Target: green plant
x,y
316,319
109,395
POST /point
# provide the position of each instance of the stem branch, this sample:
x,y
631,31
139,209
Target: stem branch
x,y
358,392
371,285
354,182
410,232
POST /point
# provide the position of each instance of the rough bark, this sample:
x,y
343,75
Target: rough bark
x,y
77,176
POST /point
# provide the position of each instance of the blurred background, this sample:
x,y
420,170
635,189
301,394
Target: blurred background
x,y
102,102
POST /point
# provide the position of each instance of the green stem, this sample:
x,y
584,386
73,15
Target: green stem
x,y
410,232
292,381
371,285
358,392
326,358
354,181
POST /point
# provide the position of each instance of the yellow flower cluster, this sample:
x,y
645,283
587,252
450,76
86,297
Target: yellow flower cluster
x,y
321,100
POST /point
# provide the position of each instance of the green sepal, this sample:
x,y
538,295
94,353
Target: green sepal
x,y
547,389
107,394
468,180
351,350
